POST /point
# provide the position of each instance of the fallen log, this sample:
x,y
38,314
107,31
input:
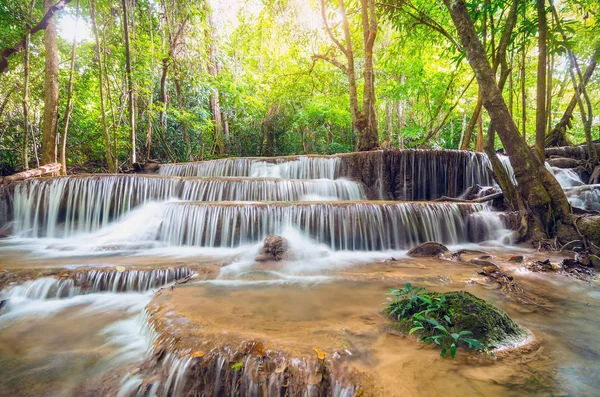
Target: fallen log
x,y
52,168
477,200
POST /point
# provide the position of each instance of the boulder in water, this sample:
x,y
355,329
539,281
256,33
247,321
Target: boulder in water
x,y
275,248
462,311
428,249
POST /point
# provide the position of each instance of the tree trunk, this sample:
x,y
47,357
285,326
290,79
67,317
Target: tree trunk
x,y
63,148
540,112
130,92
479,143
25,100
107,144
557,137
549,88
50,89
46,21
51,168
215,109
542,193
369,136
472,123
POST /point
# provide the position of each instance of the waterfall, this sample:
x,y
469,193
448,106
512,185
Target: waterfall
x,y
94,281
67,206
342,226
302,167
429,174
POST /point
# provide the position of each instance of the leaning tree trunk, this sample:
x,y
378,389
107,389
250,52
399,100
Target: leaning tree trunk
x,y
50,89
539,189
558,135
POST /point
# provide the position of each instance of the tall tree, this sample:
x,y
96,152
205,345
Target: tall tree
x,y
69,108
107,144
542,193
130,92
365,119
213,71
50,126
540,111
25,99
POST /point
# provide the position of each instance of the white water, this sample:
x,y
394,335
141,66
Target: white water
x,y
303,167
579,194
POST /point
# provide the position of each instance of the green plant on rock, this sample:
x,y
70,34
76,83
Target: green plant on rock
x,y
449,320
444,337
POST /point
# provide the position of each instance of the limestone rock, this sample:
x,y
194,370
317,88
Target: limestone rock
x,y
428,249
275,248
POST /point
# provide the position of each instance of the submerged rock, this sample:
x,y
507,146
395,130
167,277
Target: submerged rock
x,y
428,249
275,248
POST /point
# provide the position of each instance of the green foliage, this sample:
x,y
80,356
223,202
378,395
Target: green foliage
x,y
435,319
276,98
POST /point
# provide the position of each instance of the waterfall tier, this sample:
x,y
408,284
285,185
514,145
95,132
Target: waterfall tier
x,y
87,203
391,174
342,226
291,167
94,281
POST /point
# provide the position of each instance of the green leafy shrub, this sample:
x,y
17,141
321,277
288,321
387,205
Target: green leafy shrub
x,y
450,320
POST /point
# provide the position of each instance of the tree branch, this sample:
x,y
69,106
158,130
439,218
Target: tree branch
x,y
328,29
41,25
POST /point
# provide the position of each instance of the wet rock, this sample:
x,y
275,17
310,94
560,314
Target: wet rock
x,y
517,259
563,162
541,266
481,262
429,249
576,268
275,248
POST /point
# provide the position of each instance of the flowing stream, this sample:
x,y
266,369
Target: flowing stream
x,y
93,261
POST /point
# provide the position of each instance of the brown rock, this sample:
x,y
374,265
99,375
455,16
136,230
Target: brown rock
x,y
481,262
428,249
517,259
275,248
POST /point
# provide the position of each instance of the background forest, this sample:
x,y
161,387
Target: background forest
x,y
177,80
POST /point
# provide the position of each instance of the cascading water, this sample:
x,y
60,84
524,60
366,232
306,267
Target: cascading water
x,y
342,226
430,174
71,205
579,194
225,208
95,281
302,167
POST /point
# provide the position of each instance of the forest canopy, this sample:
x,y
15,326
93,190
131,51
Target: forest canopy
x,y
176,80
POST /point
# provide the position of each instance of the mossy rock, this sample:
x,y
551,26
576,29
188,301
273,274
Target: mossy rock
x,y
488,324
